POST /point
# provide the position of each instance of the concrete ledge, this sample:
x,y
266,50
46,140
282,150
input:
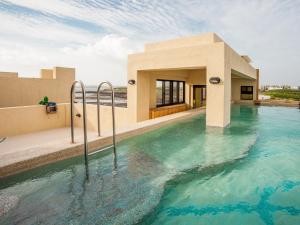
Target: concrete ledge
x,y
283,102
17,157
27,119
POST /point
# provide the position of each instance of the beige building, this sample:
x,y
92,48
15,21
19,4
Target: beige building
x,y
20,112
168,77
24,91
189,72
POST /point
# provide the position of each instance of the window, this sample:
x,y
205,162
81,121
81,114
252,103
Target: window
x,y
159,92
175,92
166,93
246,92
181,91
169,92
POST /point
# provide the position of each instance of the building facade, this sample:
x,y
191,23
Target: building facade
x,y
194,71
168,77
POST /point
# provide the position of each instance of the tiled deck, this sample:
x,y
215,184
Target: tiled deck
x,y
23,152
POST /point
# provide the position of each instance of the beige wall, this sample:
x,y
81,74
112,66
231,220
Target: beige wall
x,y
27,119
46,74
8,75
147,91
164,75
186,53
209,56
182,58
196,77
236,89
238,63
16,91
206,38
21,114
121,117
194,60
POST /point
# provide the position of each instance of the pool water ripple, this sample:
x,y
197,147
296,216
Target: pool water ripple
x,y
247,173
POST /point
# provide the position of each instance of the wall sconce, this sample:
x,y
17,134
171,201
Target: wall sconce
x,y
214,80
131,82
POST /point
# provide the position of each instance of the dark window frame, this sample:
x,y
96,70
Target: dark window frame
x,y
246,92
171,91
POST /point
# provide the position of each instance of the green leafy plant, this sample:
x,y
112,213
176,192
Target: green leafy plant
x,y
284,94
44,101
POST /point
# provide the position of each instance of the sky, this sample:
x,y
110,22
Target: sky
x,y
95,36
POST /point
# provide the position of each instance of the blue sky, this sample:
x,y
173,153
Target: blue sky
x,y
97,35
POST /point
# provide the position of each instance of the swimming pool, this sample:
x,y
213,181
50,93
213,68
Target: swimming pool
x,y
248,173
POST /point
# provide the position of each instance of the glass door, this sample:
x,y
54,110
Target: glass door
x,y
199,95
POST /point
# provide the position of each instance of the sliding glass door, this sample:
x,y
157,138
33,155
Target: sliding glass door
x,y
169,92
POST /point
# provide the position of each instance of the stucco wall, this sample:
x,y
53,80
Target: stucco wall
x,y
206,38
27,119
238,63
16,91
164,75
8,74
216,56
196,77
210,57
191,77
236,89
121,117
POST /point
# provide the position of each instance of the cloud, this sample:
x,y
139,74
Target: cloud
x,y
104,59
98,34
111,46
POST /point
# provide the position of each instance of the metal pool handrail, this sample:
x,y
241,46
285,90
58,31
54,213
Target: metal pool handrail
x,y
2,139
84,121
113,115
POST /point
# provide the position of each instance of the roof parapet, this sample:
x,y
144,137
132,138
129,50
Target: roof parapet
x,y
247,58
9,74
206,38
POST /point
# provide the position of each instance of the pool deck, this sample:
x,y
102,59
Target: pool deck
x,y
23,152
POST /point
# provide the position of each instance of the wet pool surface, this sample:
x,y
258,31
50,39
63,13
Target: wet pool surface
x,y
247,173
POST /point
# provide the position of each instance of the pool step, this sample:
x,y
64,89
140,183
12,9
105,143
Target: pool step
x,y
100,150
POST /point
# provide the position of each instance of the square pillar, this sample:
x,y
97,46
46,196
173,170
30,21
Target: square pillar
x,y
218,96
257,84
143,96
64,74
138,95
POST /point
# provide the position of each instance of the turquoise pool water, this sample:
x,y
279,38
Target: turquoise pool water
x,y
247,173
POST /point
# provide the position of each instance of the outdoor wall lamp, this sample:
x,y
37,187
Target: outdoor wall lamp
x,y
214,80
131,82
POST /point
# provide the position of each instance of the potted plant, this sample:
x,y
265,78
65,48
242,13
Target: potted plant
x,y
50,106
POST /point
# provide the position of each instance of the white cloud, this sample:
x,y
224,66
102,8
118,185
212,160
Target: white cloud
x,y
105,59
96,35
41,30
112,46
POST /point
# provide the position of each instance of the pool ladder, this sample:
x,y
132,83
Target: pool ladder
x,y
2,139
86,153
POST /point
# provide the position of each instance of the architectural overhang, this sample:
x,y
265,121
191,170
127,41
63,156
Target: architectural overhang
x,y
175,68
236,74
247,58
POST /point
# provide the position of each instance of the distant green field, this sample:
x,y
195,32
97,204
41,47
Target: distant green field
x,y
284,94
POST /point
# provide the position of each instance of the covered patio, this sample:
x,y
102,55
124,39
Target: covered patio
x,y
176,75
